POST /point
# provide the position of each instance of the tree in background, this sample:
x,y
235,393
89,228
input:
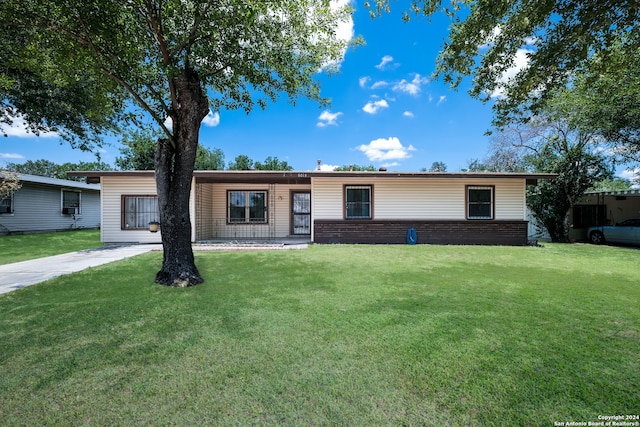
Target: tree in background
x,y
605,99
50,169
9,182
612,184
138,153
437,167
174,59
241,163
521,53
273,164
549,146
554,39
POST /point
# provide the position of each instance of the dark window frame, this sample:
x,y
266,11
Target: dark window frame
x,y
346,202
469,203
11,206
68,207
247,220
123,212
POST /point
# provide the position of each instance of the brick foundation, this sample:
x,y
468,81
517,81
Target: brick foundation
x,y
509,233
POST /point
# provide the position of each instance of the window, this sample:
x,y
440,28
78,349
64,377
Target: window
x,y
247,207
358,201
6,204
71,202
479,202
139,211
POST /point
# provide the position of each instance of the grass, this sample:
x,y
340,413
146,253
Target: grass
x,y
23,247
331,335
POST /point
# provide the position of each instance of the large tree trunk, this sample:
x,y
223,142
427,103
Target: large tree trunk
x,y
175,159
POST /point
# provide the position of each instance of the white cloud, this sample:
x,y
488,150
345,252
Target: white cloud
x,y
379,84
212,119
632,175
363,81
413,87
383,63
520,62
389,165
372,107
18,129
442,100
328,168
327,118
343,31
382,149
12,156
408,114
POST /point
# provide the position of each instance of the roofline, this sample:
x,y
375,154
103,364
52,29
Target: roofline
x,y
36,179
288,176
632,192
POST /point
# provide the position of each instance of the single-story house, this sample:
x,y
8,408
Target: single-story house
x,y
326,207
49,204
598,208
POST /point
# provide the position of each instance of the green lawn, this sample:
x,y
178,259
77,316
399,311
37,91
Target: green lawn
x,y
22,247
332,335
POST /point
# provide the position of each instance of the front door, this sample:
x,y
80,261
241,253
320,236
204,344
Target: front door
x,y
301,213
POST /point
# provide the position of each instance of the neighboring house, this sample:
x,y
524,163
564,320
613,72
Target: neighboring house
x,y
49,204
326,207
602,208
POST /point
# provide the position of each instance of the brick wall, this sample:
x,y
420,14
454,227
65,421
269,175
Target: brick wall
x,y
511,233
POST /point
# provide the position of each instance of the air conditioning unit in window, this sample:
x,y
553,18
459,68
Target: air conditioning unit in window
x,y
69,211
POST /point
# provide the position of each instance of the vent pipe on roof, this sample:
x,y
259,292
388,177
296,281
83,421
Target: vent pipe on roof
x,y
319,163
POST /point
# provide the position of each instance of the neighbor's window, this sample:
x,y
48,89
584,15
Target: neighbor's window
x,y
358,201
139,211
480,202
247,207
71,202
6,204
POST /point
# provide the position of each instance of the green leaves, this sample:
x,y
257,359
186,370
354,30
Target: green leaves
x,y
78,66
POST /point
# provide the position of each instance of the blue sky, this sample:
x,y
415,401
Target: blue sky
x,y
385,111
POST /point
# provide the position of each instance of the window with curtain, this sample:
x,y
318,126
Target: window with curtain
x,y
358,201
139,211
246,207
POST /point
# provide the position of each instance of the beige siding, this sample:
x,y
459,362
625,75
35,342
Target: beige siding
x,y
417,198
113,187
212,212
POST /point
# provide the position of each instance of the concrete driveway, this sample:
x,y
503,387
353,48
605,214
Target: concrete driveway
x,y
22,274
25,273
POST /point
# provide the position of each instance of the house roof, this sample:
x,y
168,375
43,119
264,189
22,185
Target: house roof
x,y
632,192
56,182
304,177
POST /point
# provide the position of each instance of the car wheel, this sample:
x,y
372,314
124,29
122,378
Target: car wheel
x,y
596,237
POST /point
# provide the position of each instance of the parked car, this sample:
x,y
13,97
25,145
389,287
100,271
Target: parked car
x,y
627,232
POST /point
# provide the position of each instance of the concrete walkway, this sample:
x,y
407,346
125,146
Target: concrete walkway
x,y
26,273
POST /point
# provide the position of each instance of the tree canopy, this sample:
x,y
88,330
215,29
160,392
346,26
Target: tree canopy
x,y
550,145
135,60
520,51
139,147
